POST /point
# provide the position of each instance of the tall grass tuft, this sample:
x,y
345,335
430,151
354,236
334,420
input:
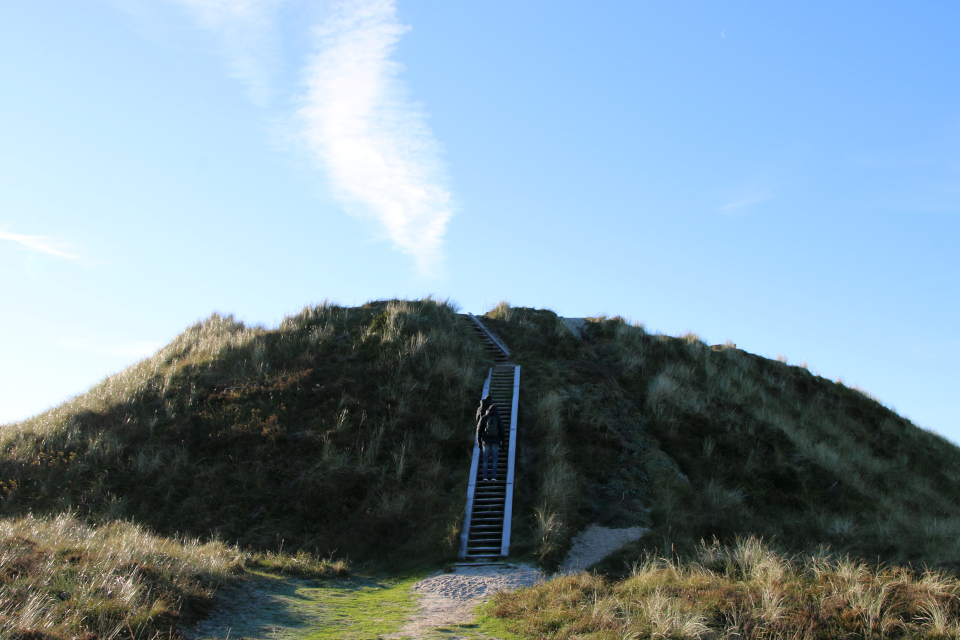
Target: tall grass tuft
x,y
558,481
745,590
62,579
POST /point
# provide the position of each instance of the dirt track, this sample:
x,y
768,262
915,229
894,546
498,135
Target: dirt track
x,y
448,599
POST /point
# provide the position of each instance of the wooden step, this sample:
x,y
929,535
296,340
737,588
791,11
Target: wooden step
x,y
482,540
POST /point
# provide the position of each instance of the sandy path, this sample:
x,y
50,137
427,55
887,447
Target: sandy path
x,y
595,543
575,325
448,599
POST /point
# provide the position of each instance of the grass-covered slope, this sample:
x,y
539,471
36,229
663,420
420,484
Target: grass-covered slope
x,y
343,430
715,441
350,430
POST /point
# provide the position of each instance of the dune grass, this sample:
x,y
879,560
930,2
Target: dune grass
x,y
346,433
62,579
626,427
343,431
745,590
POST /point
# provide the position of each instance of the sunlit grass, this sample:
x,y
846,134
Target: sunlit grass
x,y
341,431
62,579
744,590
346,433
715,441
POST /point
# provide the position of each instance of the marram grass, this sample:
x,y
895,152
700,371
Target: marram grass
x,y
744,590
62,579
342,431
347,433
698,442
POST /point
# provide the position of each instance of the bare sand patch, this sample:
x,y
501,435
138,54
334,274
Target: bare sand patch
x,y
448,599
595,543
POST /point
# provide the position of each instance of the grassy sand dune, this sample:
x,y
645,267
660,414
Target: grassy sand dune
x,y
626,427
341,431
346,433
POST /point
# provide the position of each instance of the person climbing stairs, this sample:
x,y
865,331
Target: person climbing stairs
x,y
487,526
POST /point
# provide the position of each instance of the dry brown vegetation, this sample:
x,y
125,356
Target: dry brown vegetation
x,y
342,431
744,591
626,427
346,432
62,579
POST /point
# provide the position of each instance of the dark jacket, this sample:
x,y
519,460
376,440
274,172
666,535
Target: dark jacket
x,y
484,415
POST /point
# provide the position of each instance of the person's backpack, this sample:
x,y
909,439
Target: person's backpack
x,y
493,427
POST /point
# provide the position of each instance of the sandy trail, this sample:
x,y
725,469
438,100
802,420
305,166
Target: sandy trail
x,y
595,543
448,599
282,608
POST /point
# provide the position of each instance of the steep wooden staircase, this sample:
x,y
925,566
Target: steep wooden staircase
x,y
486,527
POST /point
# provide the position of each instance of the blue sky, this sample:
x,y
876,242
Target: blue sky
x,y
785,176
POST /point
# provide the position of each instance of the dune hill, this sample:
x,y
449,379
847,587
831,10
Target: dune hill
x,y
348,431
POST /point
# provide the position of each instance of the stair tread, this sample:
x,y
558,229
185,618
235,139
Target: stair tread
x,y
488,517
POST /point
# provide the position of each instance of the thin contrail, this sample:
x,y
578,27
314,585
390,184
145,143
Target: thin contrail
x,y
354,116
248,34
372,141
39,244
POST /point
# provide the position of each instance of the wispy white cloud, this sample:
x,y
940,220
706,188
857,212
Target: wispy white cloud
x,y
742,206
374,143
248,32
40,244
354,117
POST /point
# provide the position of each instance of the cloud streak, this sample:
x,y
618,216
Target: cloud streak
x,y
248,33
353,114
742,206
371,140
40,244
